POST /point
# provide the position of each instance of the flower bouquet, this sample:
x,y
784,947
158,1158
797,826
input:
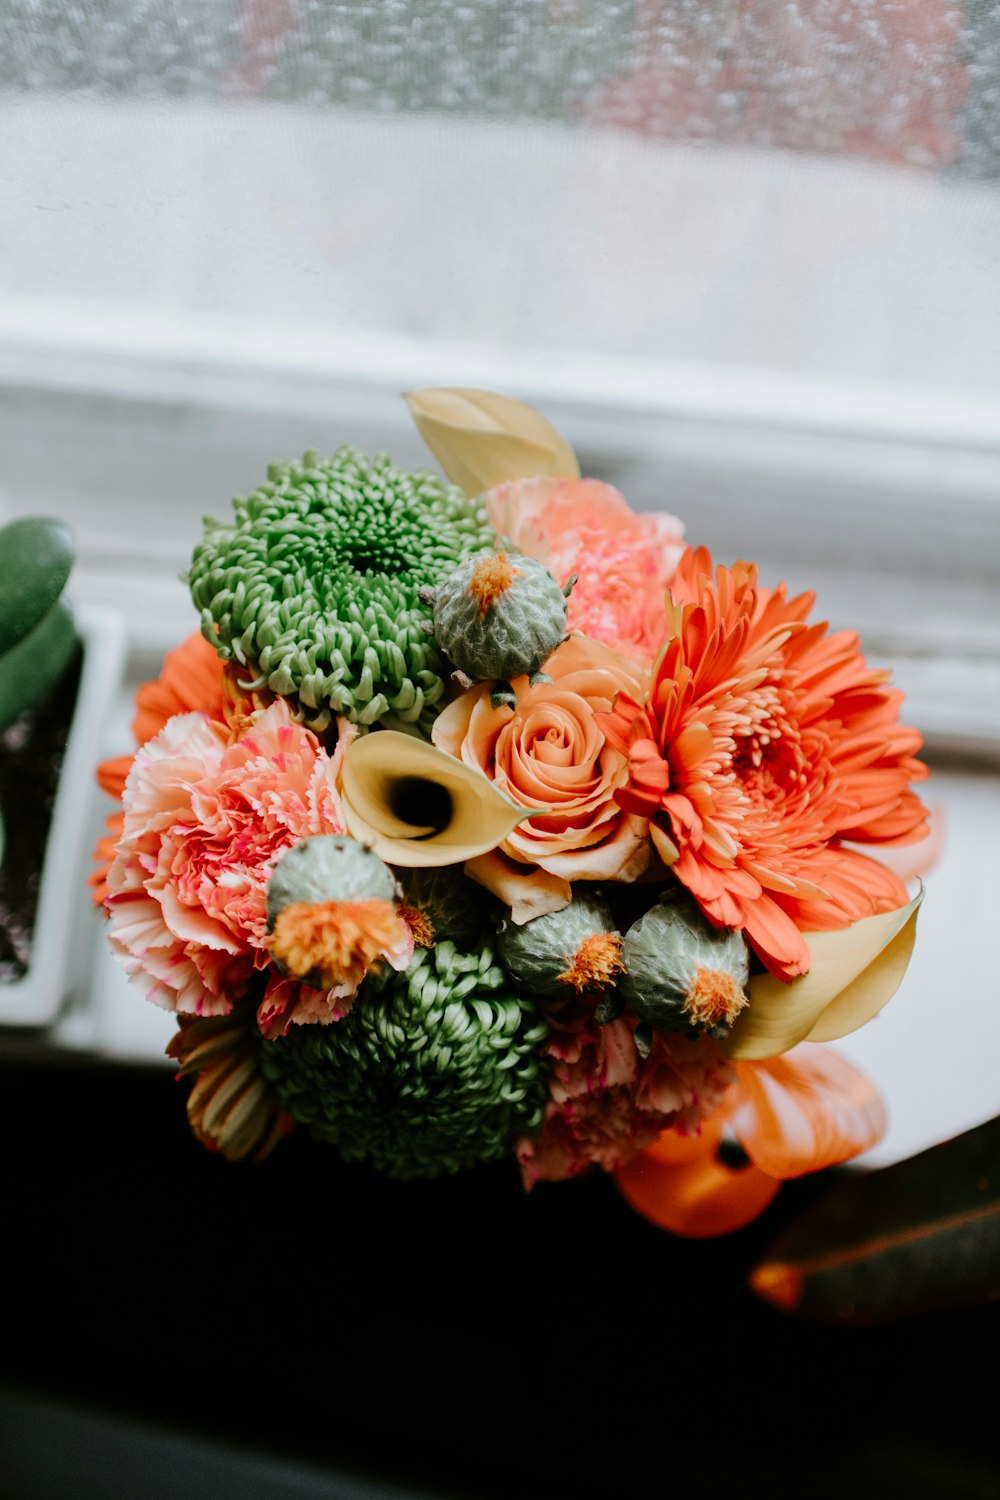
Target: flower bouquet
x,y
483,817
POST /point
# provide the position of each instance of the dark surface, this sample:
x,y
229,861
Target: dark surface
x,y
31,753
456,1336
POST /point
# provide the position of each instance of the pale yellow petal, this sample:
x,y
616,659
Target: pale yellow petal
x,y
855,1006
852,974
482,439
665,847
386,775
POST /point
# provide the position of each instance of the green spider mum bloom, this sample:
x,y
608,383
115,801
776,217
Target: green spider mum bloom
x,y
313,588
432,1070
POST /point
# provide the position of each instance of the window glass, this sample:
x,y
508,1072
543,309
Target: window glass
x,y
801,189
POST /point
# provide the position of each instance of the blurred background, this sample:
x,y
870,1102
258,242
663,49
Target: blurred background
x,y
744,253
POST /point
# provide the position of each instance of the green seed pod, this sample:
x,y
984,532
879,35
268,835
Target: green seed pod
x,y
499,616
450,904
575,948
327,868
433,1070
681,973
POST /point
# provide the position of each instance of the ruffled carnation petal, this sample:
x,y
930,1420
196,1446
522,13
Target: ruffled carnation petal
x,y
608,1103
204,821
622,561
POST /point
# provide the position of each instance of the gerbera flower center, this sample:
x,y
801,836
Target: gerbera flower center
x,y
770,759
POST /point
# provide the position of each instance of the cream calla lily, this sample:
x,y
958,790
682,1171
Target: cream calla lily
x,y
482,439
417,806
852,974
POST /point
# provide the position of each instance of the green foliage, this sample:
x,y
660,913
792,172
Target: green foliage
x,y
924,1233
37,634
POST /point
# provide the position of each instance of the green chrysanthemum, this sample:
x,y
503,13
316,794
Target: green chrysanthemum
x,y
433,1070
314,587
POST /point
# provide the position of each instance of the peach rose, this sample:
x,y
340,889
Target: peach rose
x,y
549,756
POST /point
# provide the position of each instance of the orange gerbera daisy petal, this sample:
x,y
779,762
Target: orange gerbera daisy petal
x,y
765,744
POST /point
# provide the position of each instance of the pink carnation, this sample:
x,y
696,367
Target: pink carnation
x,y
623,562
607,1104
204,823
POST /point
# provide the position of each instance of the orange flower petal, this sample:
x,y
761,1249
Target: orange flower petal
x,y
680,1184
112,775
191,679
806,1110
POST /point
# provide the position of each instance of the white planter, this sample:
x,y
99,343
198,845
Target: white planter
x,y
55,966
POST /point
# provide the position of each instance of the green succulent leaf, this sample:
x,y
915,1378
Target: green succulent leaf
x,y
36,557
31,670
924,1233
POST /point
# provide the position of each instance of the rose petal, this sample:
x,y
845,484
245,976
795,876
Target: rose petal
x,y
527,890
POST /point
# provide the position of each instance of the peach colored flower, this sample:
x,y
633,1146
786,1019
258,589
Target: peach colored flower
x,y
622,561
607,1104
191,678
764,746
550,756
232,1108
204,822
797,1113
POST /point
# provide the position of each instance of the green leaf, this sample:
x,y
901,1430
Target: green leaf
x,y
924,1233
36,556
31,670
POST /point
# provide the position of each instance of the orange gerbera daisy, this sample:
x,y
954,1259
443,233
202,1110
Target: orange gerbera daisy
x,y
764,747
